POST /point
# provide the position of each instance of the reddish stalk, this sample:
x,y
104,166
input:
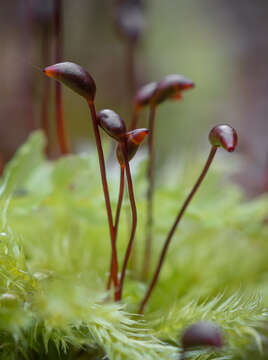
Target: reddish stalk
x,y
120,198
117,215
150,192
107,198
64,148
130,67
46,87
134,218
144,96
26,41
171,233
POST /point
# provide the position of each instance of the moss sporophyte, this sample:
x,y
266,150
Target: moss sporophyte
x,y
79,80
69,265
69,288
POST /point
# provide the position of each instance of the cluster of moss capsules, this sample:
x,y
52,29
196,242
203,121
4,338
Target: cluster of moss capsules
x,y
128,142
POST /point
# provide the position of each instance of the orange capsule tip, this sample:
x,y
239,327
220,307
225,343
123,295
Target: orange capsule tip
x,y
177,96
190,86
50,71
137,107
138,135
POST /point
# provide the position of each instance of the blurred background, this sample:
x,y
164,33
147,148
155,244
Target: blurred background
x,y
221,45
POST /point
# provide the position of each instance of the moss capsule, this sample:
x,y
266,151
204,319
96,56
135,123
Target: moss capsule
x,y
75,77
223,136
134,139
171,87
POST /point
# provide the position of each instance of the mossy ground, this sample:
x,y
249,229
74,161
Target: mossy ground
x,y
55,255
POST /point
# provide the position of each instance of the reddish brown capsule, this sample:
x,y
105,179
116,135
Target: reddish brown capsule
x,y
223,136
112,124
73,76
171,87
134,139
203,333
144,95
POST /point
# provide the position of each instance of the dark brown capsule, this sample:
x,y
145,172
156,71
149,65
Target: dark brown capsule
x,y
203,333
130,19
134,140
171,87
223,136
42,11
112,124
144,95
75,77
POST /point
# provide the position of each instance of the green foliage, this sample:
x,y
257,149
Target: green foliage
x,y
55,255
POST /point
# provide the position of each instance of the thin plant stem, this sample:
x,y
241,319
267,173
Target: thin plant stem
x,y
172,230
27,32
46,84
117,214
64,148
106,196
134,218
120,199
130,68
150,194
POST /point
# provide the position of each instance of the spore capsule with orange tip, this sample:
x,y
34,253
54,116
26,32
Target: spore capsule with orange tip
x,y
137,136
134,140
224,136
75,77
171,87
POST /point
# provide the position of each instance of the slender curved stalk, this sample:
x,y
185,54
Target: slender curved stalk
x,y
134,218
150,193
106,196
117,215
172,230
64,148
120,199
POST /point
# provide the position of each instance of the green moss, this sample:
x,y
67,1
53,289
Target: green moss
x,y
54,261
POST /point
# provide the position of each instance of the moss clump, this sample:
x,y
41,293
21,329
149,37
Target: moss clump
x,y
54,262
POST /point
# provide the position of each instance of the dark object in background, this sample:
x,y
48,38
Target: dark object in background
x,y
129,19
130,25
201,334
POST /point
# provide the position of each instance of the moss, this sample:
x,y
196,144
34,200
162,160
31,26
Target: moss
x,y
54,261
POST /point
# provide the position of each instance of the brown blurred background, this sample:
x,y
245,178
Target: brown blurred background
x,y
221,45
